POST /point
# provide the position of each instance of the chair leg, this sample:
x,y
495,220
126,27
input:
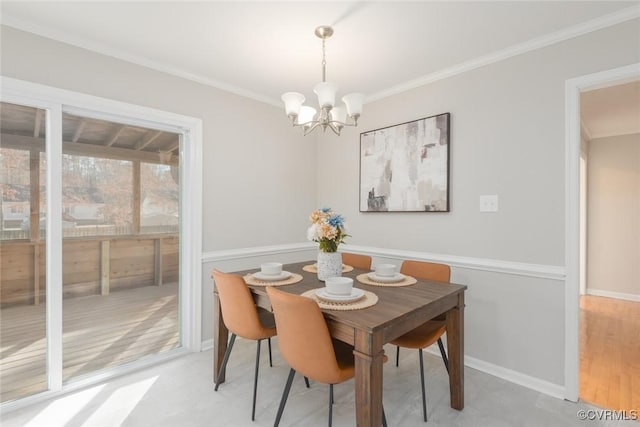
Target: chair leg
x,y
397,355
444,355
331,400
424,392
285,394
384,418
330,404
270,360
306,381
225,359
255,381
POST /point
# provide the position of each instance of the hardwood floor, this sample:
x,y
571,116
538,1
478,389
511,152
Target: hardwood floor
x,y
610,352
98,332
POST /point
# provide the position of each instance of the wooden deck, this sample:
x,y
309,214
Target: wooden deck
x,y
98,332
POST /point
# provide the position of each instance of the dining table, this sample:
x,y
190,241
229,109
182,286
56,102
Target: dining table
x,y
397,311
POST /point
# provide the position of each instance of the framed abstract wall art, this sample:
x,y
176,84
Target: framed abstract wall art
x,y
405,168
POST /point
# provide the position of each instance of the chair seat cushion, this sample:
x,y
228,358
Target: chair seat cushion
x,y
422,336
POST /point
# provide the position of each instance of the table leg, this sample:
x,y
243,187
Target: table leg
x,y
368,354
220,337
455,345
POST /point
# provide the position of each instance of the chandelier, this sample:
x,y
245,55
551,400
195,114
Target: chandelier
x,y
330,116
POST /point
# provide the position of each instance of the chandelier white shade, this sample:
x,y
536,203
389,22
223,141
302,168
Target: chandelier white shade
x,y
331,116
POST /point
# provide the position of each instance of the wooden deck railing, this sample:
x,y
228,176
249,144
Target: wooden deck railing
x,y
90,266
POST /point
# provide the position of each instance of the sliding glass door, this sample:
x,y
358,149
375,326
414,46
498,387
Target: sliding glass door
x,y
120,248
23,282
92,241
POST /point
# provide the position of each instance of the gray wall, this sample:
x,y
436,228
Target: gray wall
x,y
261,179
259,175
614,216
507,138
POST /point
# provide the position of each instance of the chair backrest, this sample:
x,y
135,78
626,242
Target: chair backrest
x,y
427,270
238,308
303,336
357,260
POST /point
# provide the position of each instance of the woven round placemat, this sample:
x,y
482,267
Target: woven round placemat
x,y
313,268
294,278
368,299
407,281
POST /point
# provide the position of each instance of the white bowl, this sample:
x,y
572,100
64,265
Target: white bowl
x,y
385,270
271,268
339,285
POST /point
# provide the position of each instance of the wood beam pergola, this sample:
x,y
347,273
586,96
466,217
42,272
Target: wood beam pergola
x,y
30,143
79,129
147,139
114,137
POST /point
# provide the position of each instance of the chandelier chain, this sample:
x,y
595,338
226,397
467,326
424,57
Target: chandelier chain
x,y
324,63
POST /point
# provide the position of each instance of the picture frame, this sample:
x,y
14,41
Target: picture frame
x,y
405,167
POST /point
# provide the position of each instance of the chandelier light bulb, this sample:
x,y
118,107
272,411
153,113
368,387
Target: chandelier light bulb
x,y
292,102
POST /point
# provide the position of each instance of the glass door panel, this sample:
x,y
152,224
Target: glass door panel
x,y
23,343
120,247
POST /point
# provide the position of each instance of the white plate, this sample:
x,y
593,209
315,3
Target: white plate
x,y
271,277
397,277
356,294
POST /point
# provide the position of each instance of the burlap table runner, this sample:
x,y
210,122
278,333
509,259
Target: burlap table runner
x,y
407,281
251,280
368,299
313,268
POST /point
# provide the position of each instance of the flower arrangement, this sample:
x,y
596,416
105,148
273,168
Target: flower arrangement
x,y
327,229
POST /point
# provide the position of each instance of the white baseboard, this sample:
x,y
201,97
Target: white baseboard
x,y
616,295
542,386
206,345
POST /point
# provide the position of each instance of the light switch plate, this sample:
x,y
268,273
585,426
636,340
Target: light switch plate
x,y
489,203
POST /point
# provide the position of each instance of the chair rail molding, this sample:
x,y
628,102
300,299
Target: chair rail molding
x,y
497,266
553,272
241,253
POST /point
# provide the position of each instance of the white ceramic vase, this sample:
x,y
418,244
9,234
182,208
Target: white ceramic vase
x,y
329,264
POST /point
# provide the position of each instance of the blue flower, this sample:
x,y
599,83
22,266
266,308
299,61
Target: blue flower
x,y
325,210
336,220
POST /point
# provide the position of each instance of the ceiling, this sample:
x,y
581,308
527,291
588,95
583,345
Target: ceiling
x,y
611,111
262,49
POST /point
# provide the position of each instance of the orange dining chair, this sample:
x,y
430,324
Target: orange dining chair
x,y
242,318
307,346
430,332
357,260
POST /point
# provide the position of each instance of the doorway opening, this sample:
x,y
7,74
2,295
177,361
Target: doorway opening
x,y
577,276
610,246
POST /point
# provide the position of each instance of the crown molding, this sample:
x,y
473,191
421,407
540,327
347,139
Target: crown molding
x,y
605,21
584,131
103,49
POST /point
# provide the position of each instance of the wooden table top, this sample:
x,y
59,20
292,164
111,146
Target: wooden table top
x,y
425,299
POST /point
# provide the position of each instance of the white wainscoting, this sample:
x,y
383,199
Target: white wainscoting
x,y
514,315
